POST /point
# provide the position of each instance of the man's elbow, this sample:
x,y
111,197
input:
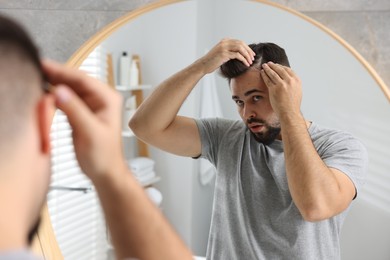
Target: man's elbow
x,y
315,213
136,125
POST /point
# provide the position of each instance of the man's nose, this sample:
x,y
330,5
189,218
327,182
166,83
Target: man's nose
x,y
248,112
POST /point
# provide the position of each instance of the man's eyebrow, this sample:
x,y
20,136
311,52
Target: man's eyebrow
x,y
249,92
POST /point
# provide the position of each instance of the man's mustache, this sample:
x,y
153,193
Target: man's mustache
x,y
255,120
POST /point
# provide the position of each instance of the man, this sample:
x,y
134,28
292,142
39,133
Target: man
x,y
93,110
283,183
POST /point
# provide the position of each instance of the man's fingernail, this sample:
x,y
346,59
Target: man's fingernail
x,y
62,94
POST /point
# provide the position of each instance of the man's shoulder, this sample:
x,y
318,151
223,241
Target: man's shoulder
x,y
222,123
325,137
317,132
220,129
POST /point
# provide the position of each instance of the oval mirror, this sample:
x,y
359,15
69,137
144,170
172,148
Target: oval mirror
x,y
341,90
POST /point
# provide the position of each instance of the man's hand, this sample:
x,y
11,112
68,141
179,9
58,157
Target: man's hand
x,y
93,111
225,50
284,86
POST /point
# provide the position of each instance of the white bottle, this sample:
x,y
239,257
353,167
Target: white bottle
x,y
124,70
134,74
128,111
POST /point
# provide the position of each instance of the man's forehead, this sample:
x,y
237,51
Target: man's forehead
x,y
248,82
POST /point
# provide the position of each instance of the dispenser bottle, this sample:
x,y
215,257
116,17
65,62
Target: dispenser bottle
x,y
124,69
128,111
134,74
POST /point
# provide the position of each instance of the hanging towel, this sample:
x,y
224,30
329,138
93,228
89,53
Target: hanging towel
x,y
209,107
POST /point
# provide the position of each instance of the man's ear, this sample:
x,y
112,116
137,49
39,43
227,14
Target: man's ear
x,y
46,109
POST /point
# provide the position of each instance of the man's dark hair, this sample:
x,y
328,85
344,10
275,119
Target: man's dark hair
x,y
12,34
265,52
21,78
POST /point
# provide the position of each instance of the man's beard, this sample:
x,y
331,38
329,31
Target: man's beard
x,y
269,135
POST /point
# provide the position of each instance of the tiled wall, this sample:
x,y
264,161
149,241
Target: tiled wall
x,y
60,27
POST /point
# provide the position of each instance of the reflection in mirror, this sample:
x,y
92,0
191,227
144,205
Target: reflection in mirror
x,y
340,90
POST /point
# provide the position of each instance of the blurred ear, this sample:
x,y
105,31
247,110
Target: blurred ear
x,y
46,109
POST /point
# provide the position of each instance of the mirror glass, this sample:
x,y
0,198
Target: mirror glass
x,y
340,90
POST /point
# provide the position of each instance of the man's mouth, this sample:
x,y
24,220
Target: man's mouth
x,y
255,128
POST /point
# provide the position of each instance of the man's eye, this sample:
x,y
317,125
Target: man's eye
x,y
257,98
239,102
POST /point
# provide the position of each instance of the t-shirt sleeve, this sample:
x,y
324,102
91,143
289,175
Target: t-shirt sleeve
x,y
211,131
347,154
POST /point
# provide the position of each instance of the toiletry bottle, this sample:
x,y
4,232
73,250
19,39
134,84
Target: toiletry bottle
x,y
124,70
128,111
134,74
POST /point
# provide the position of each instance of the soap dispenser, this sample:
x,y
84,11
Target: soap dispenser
x,y
128,111
134,74
124,69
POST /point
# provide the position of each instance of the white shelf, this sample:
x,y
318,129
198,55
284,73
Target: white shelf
x,y
130,88
127,133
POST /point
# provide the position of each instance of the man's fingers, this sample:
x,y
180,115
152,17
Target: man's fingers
x,y
239,50
79,115
246,52
268,82
271,74
281,70
75,79
240,57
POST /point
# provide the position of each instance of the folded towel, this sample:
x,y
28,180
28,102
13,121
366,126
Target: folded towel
x,y
145,178
143,171
140,163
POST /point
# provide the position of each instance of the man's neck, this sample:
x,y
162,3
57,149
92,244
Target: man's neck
x,y
14,220
12,236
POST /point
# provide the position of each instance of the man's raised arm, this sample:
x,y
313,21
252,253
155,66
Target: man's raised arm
x,y
156,121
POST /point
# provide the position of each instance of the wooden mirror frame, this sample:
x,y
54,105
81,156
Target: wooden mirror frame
x,y
45,243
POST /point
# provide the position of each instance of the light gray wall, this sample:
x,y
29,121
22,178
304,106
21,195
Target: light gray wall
x,y
60,27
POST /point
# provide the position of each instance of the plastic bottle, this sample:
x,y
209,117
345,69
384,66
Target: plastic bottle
x,y
134,74
128,111
124,69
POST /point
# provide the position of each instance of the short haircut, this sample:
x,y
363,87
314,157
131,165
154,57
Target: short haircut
x,y
21,78
265,52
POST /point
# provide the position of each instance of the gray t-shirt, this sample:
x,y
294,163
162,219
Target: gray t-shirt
x,y
254,216
18,255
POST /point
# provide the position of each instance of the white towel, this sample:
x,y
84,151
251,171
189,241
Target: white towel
x,y
209,107
144,171
146,177
140,163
